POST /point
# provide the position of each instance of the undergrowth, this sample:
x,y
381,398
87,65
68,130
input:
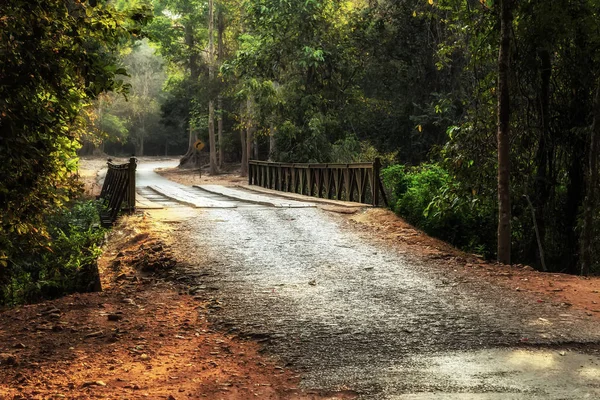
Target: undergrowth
x,y
64,262
427,197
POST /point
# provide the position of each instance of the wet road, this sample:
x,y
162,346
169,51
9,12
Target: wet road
x,y
352,313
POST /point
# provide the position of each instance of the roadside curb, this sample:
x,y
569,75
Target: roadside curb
x,y
301,197
189,200
275,203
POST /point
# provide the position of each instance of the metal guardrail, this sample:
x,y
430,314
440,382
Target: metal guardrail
x,y
118,191
357,182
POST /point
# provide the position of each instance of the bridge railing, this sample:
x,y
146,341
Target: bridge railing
x,y
356,182
118,190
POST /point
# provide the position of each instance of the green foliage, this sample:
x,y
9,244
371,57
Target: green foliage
x,y
414,82
395,182
303,51
346,150
350,150
429,198
134,123
179,34
114,126
553,77
410,81
57,56
65,265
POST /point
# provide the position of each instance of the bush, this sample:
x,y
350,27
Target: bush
x,y
66,263
395,182
427,197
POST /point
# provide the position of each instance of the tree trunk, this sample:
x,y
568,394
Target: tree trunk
x,y
220,31
211,138
587,238
504,213
191,136
249,139
254,147
190,43
249,130
542,185
244,162
220,130
570,262
190,155
211,78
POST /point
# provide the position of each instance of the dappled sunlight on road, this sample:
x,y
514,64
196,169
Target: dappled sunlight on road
x,y
527,374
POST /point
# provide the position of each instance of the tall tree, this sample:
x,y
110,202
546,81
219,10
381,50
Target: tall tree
x,y
211,80
504,212
243,133
220,56
250,129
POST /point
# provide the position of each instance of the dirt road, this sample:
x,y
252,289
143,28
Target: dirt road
x,y
353,313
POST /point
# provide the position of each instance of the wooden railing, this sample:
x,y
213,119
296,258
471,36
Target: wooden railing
x,y
118,191
357,182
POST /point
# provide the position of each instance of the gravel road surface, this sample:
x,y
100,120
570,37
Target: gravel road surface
x,y
352,313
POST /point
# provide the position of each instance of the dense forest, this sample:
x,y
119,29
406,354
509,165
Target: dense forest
x,y
485,113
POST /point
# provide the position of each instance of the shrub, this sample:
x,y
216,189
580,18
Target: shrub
x,y
66,263
395,183
427,197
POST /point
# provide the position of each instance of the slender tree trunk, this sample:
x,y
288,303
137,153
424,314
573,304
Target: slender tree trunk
x,y
587,238
191,136
576,168
244,162
542,186
249,130
571,262
504,214
190,43
220,130
211,78
254,147
211,138
249,139
220,31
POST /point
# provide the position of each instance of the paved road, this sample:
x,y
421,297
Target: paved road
x,y
352,313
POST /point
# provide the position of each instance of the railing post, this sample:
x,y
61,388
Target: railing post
x,y
131,188
375,182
